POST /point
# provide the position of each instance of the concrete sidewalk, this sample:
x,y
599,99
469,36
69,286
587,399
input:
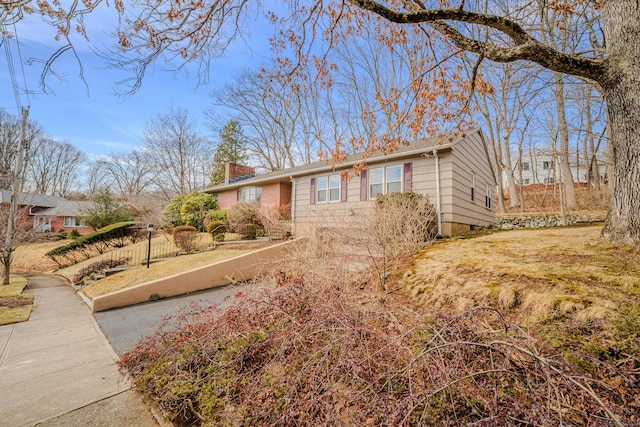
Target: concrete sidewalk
x,y
58,369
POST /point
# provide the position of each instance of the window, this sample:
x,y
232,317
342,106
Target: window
x,y
547,164
385,180
334,188
473,187
73,221
376,182
322,190
548,180
525,166
526,181
394,179
250,194
330,188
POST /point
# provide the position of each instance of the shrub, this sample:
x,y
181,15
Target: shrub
x,y
316,352
217,229
217,215
185,237
61,235
403,222
74,234
250,231
244,213
190,209
114,235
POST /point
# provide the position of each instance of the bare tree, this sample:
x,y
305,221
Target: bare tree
x,y
54,167
131,173
270,113
9,138
180,155
505,108
97,178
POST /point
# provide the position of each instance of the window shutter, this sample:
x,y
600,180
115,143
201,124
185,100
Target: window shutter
x,y
408,177
313,191
343,190
364,186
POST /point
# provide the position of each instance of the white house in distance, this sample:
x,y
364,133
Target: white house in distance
x,y
455,173
540,166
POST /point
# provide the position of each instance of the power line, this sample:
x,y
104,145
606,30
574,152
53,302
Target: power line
x,y
24,76
6,40
10,65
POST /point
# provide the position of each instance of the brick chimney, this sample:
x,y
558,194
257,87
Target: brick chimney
x,y
234,172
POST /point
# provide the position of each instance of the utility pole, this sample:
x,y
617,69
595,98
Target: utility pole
x,y
16,186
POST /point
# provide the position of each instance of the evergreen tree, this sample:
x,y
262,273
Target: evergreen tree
x,y
232,148
106,210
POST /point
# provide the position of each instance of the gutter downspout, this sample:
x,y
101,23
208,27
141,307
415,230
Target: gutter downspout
x,y
293,205
437,159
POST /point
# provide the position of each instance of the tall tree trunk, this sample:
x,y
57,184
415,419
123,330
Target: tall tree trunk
x,y
563,149
621,22
508,168
495,156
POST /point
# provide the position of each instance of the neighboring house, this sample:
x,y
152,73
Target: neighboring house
x,y
455,174
66,215
30,203
542,167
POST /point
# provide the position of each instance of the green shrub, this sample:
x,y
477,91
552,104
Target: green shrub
x,y
217,229
61,235
113,235
217,215
185,237
74,234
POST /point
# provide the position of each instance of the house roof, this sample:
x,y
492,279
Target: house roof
x,y
32,199
67,208
284,175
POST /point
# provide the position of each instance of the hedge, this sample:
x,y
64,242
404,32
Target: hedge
x,y
99,240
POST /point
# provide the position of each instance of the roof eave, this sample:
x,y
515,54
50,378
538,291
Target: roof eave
x,y
328,168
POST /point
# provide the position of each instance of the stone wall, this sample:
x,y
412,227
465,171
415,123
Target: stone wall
x,y
542,220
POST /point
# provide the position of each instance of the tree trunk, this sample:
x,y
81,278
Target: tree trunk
x,y
514,201
495,155
621,22
563,154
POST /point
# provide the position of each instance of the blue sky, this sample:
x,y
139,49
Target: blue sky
x,y
98,121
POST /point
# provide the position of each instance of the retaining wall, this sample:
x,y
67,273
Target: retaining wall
x,y
240,268
542,220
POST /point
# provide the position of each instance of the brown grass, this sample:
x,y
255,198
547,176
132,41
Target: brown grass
x,y
533,274
15,307
31,258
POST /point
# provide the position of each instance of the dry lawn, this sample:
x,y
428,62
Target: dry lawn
x,y
15,307
530,274
158,270
31,258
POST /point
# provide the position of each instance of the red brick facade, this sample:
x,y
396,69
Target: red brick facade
x,y
278,194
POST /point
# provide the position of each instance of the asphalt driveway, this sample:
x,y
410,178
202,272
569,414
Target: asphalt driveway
x,y
125,327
